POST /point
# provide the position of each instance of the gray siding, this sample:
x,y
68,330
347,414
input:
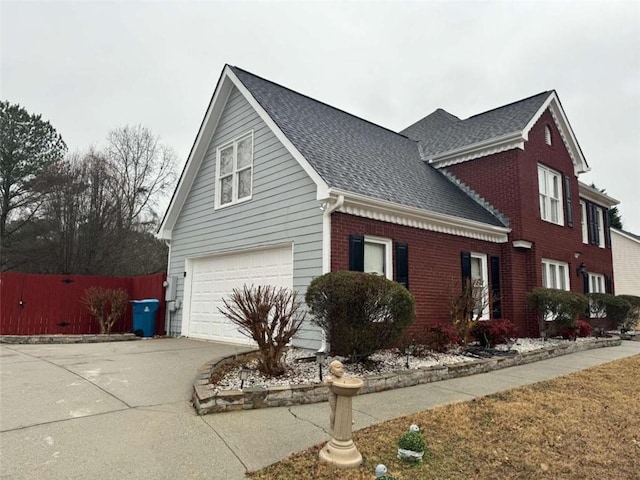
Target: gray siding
x,y
283,209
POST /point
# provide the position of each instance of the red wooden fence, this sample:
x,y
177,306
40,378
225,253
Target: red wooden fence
x,y
52,304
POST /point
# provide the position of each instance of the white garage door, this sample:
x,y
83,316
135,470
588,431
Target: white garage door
x,y
213,278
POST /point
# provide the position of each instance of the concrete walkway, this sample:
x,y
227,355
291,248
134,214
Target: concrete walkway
x,y
121,410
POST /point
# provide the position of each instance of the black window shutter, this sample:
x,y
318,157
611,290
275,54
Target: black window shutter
x,y
402,264
585,282
608,288
356,253
495,287
466,267
568,201
605,228
592,217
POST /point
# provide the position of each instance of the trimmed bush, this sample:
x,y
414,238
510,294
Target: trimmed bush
x,y
633,315
411,441
609,306
269,316
584,329
440,337
556,308
360,313
490,333
107,305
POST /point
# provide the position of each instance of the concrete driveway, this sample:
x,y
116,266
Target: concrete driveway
x,y
108,410
121,411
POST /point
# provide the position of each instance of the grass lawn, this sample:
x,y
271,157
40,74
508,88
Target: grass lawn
x,y
582,426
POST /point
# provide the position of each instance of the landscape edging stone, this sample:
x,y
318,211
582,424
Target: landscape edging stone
x,y
206,400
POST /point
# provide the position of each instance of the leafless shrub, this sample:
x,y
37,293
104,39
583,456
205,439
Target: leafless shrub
x,y
106,305
270,316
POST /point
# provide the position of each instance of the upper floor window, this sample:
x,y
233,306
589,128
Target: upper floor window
x,y
583,222
547,135
234,171
550,189
595,228
555,275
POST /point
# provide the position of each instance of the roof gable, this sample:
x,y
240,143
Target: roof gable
x,y
354,155
226,83
342,153
503,128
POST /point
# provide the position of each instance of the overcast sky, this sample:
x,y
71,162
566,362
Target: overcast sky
x,y
89,67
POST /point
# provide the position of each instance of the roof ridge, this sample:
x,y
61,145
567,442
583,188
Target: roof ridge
x,y
322,103
548,92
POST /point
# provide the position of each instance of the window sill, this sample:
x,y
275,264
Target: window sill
x,y
227,205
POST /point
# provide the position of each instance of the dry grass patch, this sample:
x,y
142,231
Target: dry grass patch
x,y
585,425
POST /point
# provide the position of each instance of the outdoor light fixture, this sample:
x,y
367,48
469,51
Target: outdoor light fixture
x,y
582,269
407,362
320,358
244,375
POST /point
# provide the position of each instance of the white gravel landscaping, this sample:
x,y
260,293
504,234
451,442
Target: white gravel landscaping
x,y
302,368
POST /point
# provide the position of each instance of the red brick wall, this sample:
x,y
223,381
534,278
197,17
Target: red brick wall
x,y
509,181
434,260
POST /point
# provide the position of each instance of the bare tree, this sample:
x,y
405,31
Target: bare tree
x,y
143,171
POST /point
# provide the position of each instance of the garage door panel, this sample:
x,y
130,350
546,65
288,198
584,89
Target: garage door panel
x,y
214,278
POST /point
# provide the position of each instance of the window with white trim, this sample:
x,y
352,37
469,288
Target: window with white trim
x,y
234,171
583,222
555,274
480,281
550,190
378,256
600,226
596,285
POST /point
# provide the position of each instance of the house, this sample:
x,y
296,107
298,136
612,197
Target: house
x,y
280,188
625,247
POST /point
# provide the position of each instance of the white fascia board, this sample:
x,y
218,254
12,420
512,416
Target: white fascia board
x,y
382,210
596,196
196,155
503,143
322,187
625,235
566,132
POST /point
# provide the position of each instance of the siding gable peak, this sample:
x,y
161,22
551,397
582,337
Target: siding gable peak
x,y
226,83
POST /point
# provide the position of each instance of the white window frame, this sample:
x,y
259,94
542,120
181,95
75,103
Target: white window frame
x,y
484,315
596,285
600,221
546,177
388,253
597,280
551,274
234,173
583,222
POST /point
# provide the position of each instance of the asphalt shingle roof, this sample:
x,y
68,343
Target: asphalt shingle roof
x,y
442,132
354,155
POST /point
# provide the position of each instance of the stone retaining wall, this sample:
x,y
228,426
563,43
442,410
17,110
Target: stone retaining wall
x,y
45,339
207,400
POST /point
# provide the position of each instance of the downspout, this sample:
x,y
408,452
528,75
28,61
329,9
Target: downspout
x,y
328,208
168,311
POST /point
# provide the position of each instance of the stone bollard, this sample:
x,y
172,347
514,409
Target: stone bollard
x,y
340,450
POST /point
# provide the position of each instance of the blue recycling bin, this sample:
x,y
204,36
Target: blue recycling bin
x,y
144,316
